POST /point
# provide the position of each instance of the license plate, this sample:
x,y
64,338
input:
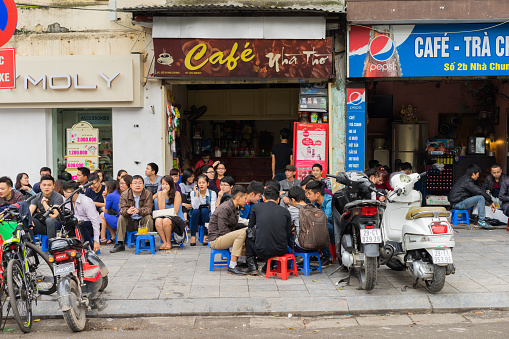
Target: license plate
x,y
371,236
63,268
441,256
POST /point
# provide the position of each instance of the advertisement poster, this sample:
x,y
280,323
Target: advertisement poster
x,y
310,146
355,129
82,147
428,50
246,58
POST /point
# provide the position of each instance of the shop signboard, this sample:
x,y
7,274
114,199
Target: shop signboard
x,y
355,129
310,146
246,58
7,68
95,118
460,50
82,147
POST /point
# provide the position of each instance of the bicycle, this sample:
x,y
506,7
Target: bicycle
x,y
27,270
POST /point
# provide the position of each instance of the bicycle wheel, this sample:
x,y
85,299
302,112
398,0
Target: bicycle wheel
x,y
18,296
39,264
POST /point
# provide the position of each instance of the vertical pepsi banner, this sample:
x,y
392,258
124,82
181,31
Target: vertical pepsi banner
x,y
462,50
355,128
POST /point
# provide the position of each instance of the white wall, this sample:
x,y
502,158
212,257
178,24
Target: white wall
x,y
141,144
27,142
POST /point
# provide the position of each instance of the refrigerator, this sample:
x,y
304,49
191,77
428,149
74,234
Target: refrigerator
x,y
409,144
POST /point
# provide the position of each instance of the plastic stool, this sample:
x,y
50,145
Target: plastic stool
x,y
282,269
507,228
44,240
306,267
333,253
460,217
225,258
140,246
201,233
130,238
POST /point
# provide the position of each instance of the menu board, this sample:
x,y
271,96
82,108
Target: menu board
x,y
82,147
356,128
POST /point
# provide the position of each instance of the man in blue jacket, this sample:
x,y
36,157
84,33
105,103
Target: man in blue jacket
x,y
315,192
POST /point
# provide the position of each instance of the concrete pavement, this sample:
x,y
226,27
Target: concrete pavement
x,y
178,282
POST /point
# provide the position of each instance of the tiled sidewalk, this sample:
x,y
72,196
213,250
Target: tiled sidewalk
x,y
179,282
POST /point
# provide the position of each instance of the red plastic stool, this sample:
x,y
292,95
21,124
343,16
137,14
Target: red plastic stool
x,y
282,268
333,254
507,228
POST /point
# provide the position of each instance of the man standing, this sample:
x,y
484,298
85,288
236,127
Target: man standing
x,y
42,172
135,208
466,194
41,203
317,171
95,192
315,192
82,175
8,196
86,213
493,181
282,155
288,183
152,181
222,224
272,228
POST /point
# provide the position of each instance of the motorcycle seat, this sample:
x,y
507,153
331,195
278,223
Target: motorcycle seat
x,y
416,212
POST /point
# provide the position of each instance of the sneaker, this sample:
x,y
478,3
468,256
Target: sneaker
x,y
326,262
118,248
484,224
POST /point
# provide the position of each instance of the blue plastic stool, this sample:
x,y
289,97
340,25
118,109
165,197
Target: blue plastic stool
x,y
306,267
140,244
130,238
201,233
43,240
225,258
460,217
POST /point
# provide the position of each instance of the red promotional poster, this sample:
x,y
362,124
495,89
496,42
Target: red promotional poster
x,y
310,146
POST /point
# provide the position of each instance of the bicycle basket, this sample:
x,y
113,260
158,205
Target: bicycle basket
x,y
7,228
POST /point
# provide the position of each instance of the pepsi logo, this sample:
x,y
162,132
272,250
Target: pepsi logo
x,y
355,98
381,48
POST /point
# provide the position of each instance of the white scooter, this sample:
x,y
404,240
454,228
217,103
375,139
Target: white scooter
x,y
418,238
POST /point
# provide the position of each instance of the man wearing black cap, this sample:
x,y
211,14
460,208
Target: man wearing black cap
x,y
288,183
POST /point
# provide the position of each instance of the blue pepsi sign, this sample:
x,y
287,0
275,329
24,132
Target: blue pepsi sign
x,y
461,50
355,128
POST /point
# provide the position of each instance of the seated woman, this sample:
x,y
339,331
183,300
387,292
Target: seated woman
x,y
220,169
203,200
110,215
186,187
225,192
167,198
175,175
23,186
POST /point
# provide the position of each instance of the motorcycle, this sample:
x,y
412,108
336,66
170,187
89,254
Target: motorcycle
x,y
357,226
80,274
417,238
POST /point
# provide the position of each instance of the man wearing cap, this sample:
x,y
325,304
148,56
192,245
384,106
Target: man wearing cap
x,y
288,183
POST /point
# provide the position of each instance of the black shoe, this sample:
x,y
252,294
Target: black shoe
x,y
326,262
192,244
242,264
236,270
118,248
252,267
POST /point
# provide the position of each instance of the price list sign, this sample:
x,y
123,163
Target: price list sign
x,y
355,128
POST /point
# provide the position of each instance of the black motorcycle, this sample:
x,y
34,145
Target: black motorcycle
x,y
357,219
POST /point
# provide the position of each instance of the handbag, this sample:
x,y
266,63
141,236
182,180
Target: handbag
x,y
168,212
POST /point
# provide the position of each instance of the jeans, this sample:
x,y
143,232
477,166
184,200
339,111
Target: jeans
x,y
49,227
87,232
326,251
471,202
280,176
199,217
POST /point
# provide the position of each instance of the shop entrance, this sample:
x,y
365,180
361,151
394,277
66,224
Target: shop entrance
x,y
99,118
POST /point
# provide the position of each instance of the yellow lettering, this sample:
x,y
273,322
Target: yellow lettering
x,y
217,57
245,54
232,61
196,57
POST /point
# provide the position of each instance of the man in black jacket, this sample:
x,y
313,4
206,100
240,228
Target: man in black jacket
x,y
494,180
272,232
466,194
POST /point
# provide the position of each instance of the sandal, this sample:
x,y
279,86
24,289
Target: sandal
x,y
103,241
111,241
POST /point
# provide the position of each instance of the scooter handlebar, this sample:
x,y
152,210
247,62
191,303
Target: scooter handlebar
x,y
422,175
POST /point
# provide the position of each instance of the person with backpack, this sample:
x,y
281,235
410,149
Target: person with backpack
x,y
269,230
222,232
203,201
311,231
315,192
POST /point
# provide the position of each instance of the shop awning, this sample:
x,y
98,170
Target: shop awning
x,y
177,8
